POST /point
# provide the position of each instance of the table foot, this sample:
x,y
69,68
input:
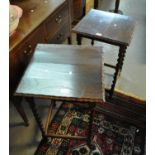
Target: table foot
x,y
36,115
118,11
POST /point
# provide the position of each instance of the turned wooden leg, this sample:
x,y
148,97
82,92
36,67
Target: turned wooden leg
x,y
116,10
79,39
36,115
123,48
117,6
18,105
91,107
92,42
119,64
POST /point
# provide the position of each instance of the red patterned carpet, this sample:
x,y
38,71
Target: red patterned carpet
x,y
110,135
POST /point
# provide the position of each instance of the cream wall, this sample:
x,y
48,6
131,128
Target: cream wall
x,y
89,5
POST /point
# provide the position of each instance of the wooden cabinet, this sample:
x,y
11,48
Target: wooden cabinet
x,y
20,56
56,22
26,49
60,36
42,23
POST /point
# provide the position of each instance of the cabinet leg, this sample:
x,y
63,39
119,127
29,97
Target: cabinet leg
x,y
84,9
18,105
69,40
95,4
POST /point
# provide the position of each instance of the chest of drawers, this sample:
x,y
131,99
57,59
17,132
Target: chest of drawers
x,y
42,22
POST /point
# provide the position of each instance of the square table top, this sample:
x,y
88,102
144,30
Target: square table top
x,y
106,26
64,72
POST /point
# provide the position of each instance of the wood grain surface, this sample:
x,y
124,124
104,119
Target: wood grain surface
x,y
63,72
106,26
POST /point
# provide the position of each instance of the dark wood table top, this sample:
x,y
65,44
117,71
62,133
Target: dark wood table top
x,y
63,72
108,26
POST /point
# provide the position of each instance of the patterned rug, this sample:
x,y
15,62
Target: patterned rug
x,y
110,136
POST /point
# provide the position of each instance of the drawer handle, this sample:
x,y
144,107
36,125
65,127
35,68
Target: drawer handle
x,y
58,19
28,51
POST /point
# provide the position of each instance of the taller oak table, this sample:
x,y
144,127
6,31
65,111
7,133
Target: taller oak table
x,y
110,28
64,73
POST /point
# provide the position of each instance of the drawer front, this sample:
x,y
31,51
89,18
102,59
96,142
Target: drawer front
x,y
61,35
55,21
27,49
20,57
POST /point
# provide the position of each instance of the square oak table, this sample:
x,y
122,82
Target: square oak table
x,y
64,73
110,28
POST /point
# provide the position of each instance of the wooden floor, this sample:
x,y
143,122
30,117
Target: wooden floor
x,y
126,108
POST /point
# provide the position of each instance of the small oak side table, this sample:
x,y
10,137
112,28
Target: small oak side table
x,y
64,73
